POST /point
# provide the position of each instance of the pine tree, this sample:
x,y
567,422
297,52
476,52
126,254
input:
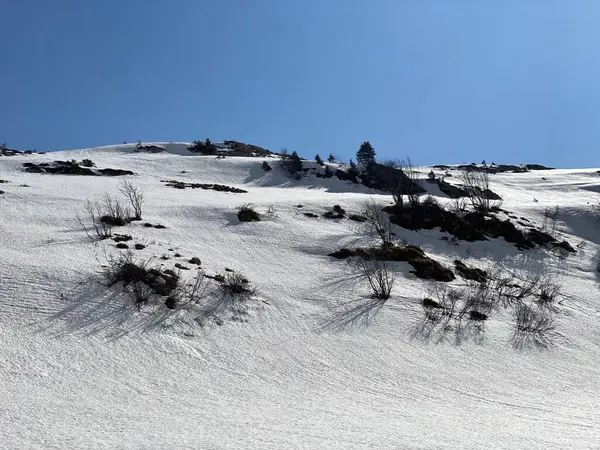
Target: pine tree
x,y
366,154
293,164
331,158
318,160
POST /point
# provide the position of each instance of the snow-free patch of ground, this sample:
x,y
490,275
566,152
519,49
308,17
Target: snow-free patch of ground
x,y
80,367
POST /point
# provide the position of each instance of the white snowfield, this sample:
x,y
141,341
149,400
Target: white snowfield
x,y
82,368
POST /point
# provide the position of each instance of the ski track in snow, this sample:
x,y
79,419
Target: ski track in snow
x,y
82,368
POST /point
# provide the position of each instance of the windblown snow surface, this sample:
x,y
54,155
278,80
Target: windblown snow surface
x,y
81,367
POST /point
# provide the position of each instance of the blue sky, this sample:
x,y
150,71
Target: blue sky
x,y
441,81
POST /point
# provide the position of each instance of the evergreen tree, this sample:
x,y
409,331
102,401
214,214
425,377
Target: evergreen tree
x,y
331,158
366,154
293,165
318,160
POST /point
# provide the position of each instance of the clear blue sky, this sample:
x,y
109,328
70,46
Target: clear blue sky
x,y
443,81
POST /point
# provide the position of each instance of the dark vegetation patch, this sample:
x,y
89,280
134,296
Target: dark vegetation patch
x,y
181,266
122,238
471,227
215,187
73,168
115,172
10,152
159,227
357,218
148,225
248,214
195,260
115,221
139,246
240,149
205,147
148,148
424,266
132,274
309,214
234,284
495,168
470,273
122,245
337,212
266,166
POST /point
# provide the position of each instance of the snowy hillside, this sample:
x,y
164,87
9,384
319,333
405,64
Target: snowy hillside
x,y
308,360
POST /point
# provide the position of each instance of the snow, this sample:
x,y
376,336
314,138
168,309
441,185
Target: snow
x,y
80,367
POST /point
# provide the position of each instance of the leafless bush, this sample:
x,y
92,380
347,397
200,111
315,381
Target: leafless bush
x,y
121,267
94,212
477,185
532,326
114,209
408,185
380,279
191,293
378,223
458,206
135,196
414,183
550,218
139,292
548,292
478,297
448,299
235,284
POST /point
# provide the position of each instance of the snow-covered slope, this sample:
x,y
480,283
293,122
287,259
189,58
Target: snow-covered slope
x,y
80,367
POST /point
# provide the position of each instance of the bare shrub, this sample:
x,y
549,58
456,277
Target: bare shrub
x,y
413,183
135,195
139,292
94,212
477,185
234,284
551,215
121,267
378,223
409,185
247,213
478,297
114,210
548,292
380,279
398,186
458,206
190,293
532,327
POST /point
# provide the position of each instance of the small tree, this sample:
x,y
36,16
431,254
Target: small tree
x,y
135,195
477,185
378,223
206,147
318,160
331,158
366,154
293,164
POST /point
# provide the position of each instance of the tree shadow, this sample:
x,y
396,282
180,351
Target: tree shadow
x,y
440,329
94,309
352,313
